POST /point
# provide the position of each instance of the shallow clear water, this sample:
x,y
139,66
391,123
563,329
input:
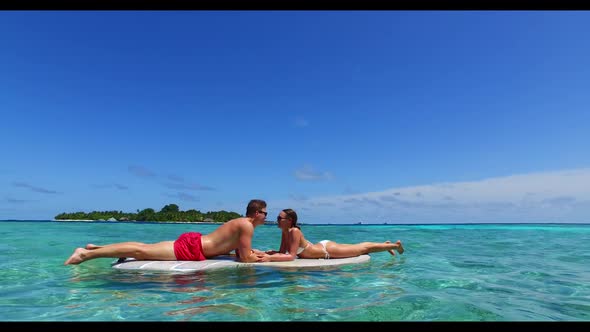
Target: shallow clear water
x,y
448,273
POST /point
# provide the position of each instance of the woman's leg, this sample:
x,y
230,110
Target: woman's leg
x,y
338,250
140,251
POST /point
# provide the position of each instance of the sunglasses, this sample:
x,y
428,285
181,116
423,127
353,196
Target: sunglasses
x,y
279,218
265,213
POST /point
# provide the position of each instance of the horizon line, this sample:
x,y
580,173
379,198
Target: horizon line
x,y
309,224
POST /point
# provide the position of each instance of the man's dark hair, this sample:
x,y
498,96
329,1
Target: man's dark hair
x,y
254,206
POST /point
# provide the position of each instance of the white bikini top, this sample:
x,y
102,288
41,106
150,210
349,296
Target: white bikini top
x,y
300,249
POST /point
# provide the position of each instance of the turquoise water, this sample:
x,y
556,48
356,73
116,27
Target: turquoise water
x,y
448,273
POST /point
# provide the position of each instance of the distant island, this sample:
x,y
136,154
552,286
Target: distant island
x,y
170,212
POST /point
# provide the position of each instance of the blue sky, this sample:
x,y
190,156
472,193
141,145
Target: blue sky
x,y
344,116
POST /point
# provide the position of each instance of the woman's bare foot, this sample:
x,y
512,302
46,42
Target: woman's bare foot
x,y
390,251
400,248
77,257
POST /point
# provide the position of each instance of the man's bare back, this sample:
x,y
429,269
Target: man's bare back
x,y
234,234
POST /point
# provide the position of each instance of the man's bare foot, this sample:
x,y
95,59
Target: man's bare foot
x,y
77,257
400,248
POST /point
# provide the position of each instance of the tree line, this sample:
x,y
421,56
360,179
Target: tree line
x,y
169,212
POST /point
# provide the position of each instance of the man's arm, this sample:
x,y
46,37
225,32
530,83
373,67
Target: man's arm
x,y
244,251
256,251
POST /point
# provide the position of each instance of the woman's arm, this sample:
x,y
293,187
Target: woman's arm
x,y
293,241
281,257
281,250
289,246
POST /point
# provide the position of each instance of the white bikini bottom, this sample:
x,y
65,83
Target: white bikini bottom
x,y
324,243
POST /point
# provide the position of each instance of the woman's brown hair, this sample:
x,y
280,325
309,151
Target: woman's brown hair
x,y
292,215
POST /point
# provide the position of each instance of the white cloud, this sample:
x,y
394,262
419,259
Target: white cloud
x,y
560,196
307,173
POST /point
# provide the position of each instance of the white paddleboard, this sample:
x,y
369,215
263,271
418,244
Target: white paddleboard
x,y
220,262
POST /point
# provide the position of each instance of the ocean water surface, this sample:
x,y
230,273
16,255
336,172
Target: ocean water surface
x,y
490,272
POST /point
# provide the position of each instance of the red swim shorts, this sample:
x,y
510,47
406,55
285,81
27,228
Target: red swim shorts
x,y
188,247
